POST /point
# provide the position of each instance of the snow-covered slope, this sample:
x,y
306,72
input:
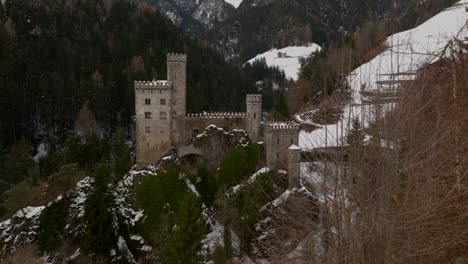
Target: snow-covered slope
x,y
290,60
235,3
406,52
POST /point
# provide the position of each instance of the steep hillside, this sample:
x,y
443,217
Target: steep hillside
x,y
174,211
287,59
57,55
258,25
375,84
194,16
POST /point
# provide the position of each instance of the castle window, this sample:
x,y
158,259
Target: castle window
x,y
277,155
147,101
174,101
174,114
195,131
277,141
163,101
292,141
147,129
255,115
147,115
163,115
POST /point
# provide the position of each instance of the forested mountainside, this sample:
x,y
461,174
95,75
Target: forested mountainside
x,y
57,55
258,25
194,16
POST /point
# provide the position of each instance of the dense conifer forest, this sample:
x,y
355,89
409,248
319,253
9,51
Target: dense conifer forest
x,y
57,55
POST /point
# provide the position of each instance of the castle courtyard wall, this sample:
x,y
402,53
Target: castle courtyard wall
x,y
197,123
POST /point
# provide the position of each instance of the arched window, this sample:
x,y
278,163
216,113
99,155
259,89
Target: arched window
x,y
163,115
163,101
147,115
147,101
174,114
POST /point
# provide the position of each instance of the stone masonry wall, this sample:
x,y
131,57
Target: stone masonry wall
x,y
153,121
277,138
197,123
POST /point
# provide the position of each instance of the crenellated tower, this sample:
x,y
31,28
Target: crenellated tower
x,y
176,75
254,116
153,120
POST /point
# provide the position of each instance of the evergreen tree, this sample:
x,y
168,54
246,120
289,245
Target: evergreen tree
x,y
19,162
281,106
72,150
185,240
100,236
51,225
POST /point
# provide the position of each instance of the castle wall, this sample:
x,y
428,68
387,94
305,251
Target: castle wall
x,y
196,123
162,122
278,137
153,121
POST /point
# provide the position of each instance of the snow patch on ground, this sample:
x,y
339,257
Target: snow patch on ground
x,y
234,3
41,152
216,238
79,196
290,62
251,180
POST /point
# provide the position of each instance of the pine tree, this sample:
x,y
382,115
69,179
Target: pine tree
x,y
19,162
281,106
100,237
185,240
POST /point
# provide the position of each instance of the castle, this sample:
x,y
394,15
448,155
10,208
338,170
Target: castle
x,y
162,122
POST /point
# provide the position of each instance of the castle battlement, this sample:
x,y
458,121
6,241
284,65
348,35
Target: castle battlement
x,y
176,57
214,115
281,126
158,85
254,98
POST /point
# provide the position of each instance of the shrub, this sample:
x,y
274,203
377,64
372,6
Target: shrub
x,y
237,164
206,185
51,225
22,195
63,180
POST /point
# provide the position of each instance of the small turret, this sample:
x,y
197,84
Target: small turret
x,y
254,115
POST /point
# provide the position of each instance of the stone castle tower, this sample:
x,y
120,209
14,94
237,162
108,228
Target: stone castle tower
x,y
177,76
162,122
254,116
160,111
